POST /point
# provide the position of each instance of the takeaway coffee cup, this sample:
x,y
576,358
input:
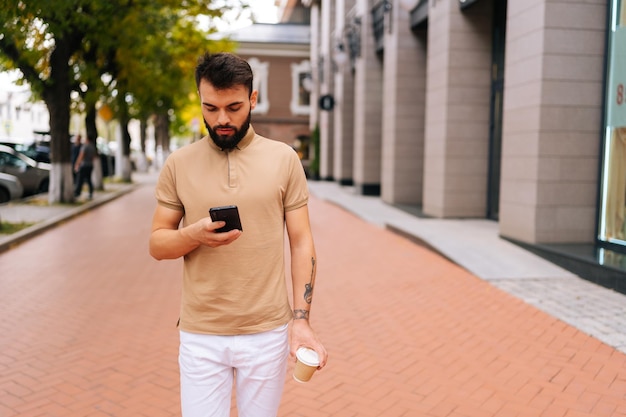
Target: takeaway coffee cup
x,y
307,362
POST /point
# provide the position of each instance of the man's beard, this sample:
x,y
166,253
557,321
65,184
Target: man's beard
x,y
228,142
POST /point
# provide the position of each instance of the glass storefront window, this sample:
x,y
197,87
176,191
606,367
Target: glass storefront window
x,y
612,224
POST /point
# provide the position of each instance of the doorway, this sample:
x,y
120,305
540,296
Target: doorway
x,y
495,118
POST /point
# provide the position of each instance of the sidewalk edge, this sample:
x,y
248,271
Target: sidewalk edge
x,y
14,239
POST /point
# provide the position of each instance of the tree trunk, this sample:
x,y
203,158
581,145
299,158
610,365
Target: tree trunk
x,y
92,134
142,161
143,133
126,167
162,136
90,122
56,95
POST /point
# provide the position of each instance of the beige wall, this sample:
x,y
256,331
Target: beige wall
x,y
343,155
404,106
315,64
551,122
457,110
552,119
344,126
326,118
367,106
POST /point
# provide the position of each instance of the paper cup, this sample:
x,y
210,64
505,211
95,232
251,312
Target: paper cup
x,y
307,362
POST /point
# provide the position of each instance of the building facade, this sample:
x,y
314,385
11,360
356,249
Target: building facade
x,y
279,57
509,110
20,115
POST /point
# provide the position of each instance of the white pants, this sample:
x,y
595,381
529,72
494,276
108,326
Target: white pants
x,y
208,365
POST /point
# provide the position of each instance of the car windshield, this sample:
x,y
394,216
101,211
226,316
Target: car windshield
x,y
11,160
26,150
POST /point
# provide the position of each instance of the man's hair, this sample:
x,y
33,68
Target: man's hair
x,y
224,70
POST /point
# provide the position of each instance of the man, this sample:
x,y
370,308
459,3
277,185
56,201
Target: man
x,y
75,150
235,308
83,167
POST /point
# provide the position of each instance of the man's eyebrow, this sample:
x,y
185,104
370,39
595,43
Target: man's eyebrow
x,y
234,103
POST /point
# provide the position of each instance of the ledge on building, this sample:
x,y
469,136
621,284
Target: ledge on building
x,y
601,266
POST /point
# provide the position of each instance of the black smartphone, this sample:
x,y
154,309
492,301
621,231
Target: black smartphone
x,y
228,214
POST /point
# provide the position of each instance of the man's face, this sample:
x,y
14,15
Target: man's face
x,y
226,113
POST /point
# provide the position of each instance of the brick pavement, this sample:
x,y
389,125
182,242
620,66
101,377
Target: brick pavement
x,y
89,318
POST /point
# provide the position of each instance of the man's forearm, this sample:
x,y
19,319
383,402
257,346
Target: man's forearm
x,y
171,244
303,272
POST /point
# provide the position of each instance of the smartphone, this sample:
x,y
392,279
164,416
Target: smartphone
x,y
228,214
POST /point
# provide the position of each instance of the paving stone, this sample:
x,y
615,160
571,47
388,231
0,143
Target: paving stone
x,y
89,326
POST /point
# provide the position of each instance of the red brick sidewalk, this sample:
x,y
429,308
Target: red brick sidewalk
x,y
89,318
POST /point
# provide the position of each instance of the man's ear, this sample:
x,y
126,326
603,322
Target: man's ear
x,y
253,98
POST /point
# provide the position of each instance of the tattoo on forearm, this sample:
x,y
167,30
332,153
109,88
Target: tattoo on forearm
x,y
308,288
300,314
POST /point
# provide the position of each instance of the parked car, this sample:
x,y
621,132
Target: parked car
x,y
34,176
37,150
10,188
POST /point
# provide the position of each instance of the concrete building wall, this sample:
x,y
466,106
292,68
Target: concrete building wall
x,y
344,129
552,119
457,110
404,106
552,114
326,120
344,100
367,108
20,115
315,65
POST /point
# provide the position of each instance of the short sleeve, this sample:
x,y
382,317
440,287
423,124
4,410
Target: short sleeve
x,y
297,190
165,191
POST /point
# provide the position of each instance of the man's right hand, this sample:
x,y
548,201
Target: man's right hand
x,y
203,231
167,241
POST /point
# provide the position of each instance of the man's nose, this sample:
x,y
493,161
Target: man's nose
x,y
223,119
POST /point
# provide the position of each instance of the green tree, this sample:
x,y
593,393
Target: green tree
x,y
154,67
40,40
68,46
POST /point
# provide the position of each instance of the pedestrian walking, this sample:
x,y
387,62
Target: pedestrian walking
x,y
77,143
235,309
83,167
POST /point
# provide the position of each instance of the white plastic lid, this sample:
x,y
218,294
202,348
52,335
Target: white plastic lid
x,y
308,356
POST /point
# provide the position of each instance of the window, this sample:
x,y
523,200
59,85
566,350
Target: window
x,y
9,160
260,71
301,88
612,224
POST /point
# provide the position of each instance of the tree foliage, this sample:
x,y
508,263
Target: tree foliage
x,y
135,55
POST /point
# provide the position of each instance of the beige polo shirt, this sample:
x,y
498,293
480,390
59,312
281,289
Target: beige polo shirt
x,y
238,288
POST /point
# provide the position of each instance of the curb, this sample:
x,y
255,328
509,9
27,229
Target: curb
x,y
14,239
